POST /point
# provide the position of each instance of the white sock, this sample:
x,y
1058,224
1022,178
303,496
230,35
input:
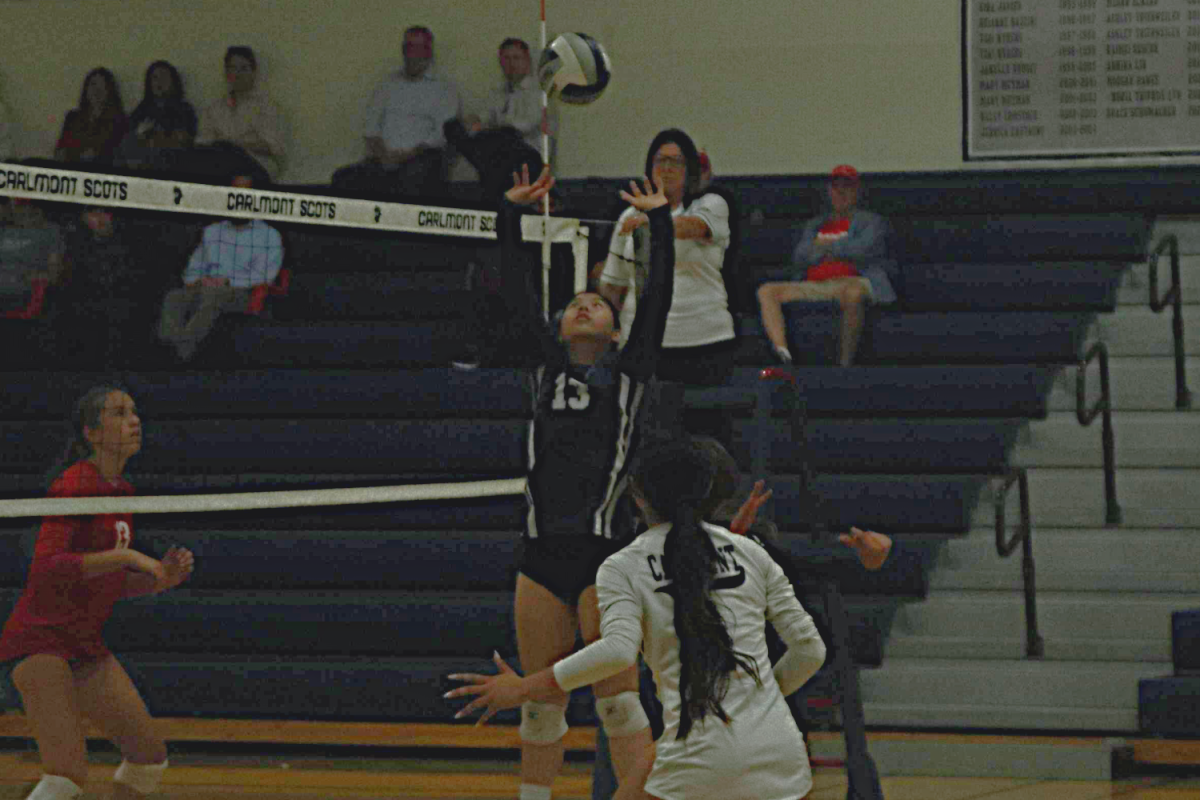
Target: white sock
x,y
55,787
783,353
531,791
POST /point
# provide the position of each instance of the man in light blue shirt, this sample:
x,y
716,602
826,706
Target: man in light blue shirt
x,y
234,256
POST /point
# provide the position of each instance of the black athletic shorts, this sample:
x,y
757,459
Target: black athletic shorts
x,y
566,565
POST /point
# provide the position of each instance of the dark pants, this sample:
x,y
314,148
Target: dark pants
x,y
495,154
708,365
189,314
422,176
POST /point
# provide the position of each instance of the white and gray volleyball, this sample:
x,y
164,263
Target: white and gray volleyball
x,y
574,68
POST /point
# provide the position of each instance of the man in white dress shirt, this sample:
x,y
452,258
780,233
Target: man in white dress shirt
x,y
510,135
406,147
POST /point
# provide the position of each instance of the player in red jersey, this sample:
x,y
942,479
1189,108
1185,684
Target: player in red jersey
x,y
52,645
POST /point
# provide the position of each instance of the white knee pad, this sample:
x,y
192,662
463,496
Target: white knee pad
x,y
622,714
142,778
543,723
55,787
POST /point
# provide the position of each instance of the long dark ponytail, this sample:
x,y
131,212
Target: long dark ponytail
x,y
86,414
676,479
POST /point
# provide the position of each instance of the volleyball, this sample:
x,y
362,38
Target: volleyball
x,y
574,68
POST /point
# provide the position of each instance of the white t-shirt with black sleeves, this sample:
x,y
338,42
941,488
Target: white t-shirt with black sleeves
x,y
760,753
699,313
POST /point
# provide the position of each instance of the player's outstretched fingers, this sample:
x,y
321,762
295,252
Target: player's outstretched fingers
x,y
476,684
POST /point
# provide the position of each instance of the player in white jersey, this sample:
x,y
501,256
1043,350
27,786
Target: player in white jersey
x,y
694,598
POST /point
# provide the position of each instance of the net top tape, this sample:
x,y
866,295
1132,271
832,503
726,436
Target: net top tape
x,y
121,191
243,501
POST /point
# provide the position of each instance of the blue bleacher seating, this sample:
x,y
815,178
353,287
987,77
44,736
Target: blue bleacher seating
x,y
1169,706
1185,642
956,390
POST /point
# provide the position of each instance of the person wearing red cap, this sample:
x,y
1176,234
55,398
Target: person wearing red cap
x,y
842,256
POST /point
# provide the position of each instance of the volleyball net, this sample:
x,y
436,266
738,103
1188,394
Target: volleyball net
x,y
325,380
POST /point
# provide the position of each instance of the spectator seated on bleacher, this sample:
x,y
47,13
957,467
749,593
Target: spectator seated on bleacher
x,y
233,257
31,249
244,117
511,133
92,132
162,124
842,257
102,312
406,143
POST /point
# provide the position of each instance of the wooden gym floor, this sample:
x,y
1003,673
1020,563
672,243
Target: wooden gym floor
x,y
250,766
200,777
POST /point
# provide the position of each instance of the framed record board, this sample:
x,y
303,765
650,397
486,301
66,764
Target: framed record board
x,y
1080,78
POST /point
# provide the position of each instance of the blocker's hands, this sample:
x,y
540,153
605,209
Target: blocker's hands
x,y
748,513
494,692
653,197
872,548
524,193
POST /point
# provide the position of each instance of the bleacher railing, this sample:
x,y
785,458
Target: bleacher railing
x,y
1173,298
1034,645
1086,416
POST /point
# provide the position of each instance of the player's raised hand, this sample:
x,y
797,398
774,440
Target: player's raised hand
x,y
872,548
524,193
652,197
177,567
493,693
748,513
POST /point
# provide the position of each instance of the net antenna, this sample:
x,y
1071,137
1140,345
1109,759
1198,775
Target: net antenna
x,y
546,199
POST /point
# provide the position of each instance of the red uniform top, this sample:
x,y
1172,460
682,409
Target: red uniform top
x,y
59,612
832,231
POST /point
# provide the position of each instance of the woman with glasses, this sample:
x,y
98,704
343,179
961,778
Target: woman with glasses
x,y
700,341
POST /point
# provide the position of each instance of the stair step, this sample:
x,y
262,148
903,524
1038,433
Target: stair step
x,y
1149,498
1141,439
1004,694
1078,626
1185,228
980,756
1137,331
1141,383
1135,285
1096,559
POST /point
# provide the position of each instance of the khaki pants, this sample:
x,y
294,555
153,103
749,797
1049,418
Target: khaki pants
x,y
188,314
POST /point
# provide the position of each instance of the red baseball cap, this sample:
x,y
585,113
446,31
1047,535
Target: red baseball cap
x,y
844,171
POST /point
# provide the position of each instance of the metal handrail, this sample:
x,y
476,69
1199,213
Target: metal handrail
x,y
1034,644
1174,298
1103,409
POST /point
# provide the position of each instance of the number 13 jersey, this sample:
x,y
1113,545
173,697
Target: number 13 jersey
x,y
585,424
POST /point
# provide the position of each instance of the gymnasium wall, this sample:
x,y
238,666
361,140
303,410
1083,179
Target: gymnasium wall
x,y
770,86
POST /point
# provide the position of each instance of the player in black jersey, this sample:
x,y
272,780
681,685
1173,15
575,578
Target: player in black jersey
x,y
588,397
